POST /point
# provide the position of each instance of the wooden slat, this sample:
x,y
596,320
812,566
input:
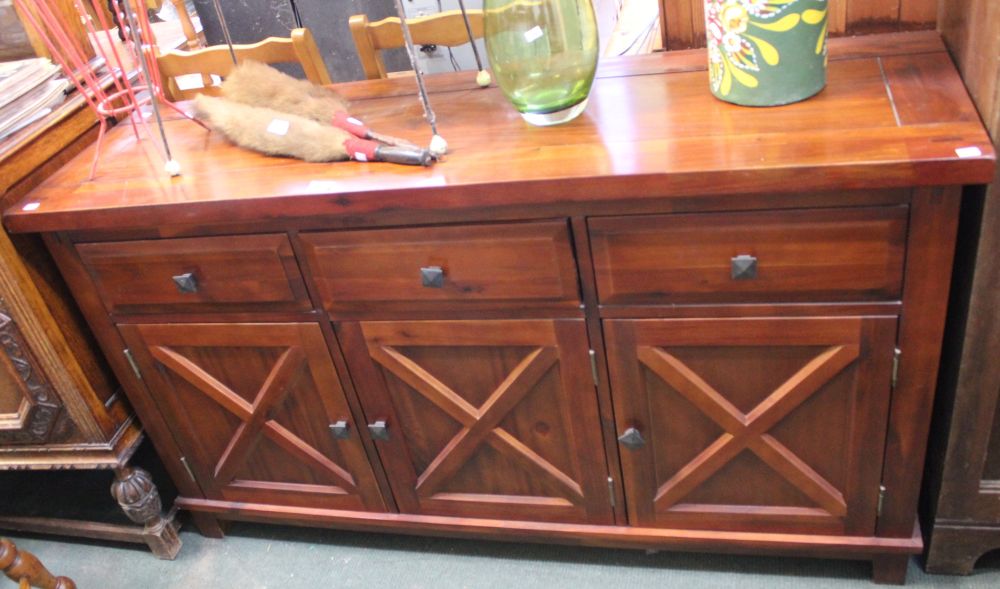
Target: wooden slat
x,y
868,16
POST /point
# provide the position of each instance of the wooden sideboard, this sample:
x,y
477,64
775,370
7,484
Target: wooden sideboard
x,y
672,323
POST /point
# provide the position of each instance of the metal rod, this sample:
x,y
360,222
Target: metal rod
x,y
295,14
141,54
225,29
412,53
468,29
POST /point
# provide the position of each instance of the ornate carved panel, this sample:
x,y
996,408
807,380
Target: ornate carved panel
x,y
30,410
752,423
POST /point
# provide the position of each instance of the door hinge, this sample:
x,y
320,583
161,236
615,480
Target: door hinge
x,y
593,366
187,467
131,362
896,353
611,491
881,500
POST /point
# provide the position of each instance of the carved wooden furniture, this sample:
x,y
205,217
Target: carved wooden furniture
x,y
673,323
60,406
444,28
963,491
27,571
299,47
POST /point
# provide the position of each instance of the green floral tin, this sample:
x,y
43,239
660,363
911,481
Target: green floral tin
x,y
766,52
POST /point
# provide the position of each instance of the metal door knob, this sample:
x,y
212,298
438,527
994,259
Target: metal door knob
x,y
379,430
341,430
743,267
186,283
632,439
432,276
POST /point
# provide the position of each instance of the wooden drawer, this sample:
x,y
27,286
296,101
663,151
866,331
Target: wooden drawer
x,y
478,264
232,273
800,255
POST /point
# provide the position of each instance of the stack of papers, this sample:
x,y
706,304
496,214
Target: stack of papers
x,y
29,90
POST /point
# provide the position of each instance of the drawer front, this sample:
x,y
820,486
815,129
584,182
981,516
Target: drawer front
x,y
464,264
802,255
245,272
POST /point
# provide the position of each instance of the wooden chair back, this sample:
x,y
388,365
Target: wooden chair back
x,y
299,48
445,28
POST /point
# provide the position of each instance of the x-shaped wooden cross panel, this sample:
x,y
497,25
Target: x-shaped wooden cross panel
x,y
479,425
255,417
750,430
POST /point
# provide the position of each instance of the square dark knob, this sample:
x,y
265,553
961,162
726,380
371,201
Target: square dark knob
x,y
743,267
186,283
432,276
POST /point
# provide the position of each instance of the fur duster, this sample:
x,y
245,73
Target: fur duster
x,y
258,84
273,132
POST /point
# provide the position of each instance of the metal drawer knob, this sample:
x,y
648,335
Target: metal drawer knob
x,y
743,267
341,430
632,439
379,430
186,283
432,276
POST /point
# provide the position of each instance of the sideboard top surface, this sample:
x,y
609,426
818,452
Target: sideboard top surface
x,y
893,114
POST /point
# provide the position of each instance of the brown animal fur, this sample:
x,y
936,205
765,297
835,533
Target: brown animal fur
x,y
257,84
247,126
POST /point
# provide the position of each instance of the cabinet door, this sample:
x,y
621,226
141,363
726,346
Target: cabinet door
x,y
254,407
493,419
759,424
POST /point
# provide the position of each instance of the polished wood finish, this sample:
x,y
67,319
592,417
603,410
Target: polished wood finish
x,y
684,20
240,272
762,424
254,404
486,418
27,571
628,151
490,264
444,28
835,254
501,398
299,47
962,492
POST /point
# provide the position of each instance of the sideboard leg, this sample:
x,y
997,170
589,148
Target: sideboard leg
x,y
135,492
890,570
208,526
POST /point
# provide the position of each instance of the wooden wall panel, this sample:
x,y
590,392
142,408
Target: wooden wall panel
x,y
684,20
969,30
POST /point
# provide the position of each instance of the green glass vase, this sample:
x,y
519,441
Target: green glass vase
x,y
543,54
766,52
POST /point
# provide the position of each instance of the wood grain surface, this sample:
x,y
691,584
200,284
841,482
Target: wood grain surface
x,y
628,143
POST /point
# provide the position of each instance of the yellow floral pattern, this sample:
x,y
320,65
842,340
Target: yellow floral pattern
x,y
735,49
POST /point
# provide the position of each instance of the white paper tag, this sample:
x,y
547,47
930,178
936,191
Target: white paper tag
x,y
278,127
31,206
533,34
968,151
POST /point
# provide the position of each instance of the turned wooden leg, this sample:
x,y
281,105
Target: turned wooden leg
x,y
23,568
135,492
207,525
890,570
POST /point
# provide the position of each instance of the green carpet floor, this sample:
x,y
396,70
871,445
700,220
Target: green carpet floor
x,y
259,556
